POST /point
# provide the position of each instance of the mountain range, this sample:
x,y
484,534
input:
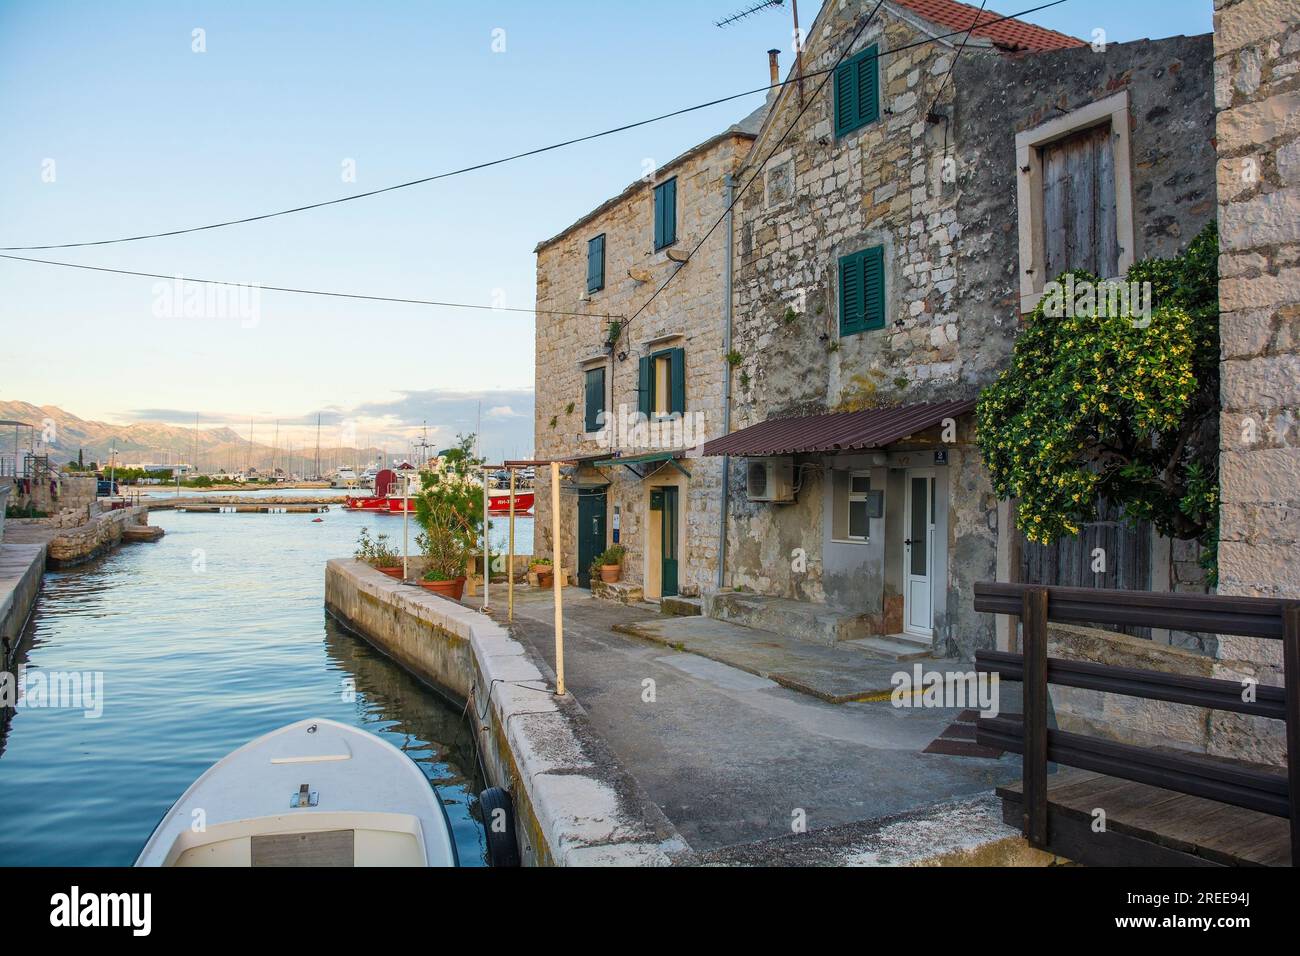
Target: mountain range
x,y
210,448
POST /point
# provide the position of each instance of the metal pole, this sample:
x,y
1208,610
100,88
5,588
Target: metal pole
x,y
487,571
510,560
406,524
729,185
555,578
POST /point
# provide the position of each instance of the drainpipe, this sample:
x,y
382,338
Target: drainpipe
x,y
728,190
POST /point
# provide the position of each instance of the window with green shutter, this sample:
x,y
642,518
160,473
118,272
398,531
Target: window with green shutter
x,y
593,418
661,384
666,213
857,92
596,263
862,291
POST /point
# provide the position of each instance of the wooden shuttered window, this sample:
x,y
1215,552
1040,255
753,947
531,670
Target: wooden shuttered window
x,y
857,92
862,291
666,213
596,263
1079,229
661,383
594,407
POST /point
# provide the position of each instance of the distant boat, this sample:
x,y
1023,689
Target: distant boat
x,y
314,793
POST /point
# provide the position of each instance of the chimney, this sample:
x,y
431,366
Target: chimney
x,y
772,66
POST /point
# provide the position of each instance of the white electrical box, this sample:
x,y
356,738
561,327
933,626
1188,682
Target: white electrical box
x,y
769,479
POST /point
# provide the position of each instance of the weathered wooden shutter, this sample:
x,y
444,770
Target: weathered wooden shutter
x,y
677,380
595,399
596,264
850,294
1079,230
645,387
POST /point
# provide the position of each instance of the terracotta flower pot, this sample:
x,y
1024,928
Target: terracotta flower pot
x,y
545,577
391,572
448,589
610,573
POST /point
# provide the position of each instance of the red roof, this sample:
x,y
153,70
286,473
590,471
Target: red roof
x,y
836,431
1009,34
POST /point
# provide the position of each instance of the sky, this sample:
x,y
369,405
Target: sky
x,y
112,123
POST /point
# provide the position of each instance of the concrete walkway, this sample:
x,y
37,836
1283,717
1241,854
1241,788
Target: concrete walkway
x,y
733,758
836,674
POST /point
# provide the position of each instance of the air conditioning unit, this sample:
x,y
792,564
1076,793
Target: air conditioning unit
x,y
769,479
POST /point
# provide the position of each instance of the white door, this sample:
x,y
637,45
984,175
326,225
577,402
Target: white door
x,y
918,554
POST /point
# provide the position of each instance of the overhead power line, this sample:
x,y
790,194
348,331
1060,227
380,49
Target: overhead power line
x,y
490,163
335,295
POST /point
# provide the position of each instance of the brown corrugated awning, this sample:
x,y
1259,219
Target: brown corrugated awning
x,y
836,431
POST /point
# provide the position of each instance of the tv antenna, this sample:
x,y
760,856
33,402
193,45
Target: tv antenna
x,y
748,12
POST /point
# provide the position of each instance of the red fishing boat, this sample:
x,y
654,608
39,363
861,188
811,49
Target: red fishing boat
x,y
385,481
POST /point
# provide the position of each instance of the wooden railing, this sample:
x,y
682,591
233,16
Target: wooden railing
x,y
1029,734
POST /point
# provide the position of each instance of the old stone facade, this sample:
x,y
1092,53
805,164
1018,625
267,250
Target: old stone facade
x,y
1257,90
625,503
932,182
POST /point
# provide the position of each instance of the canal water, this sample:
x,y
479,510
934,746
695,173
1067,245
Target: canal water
x,y
205,639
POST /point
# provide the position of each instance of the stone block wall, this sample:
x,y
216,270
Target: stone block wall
x,y
688,314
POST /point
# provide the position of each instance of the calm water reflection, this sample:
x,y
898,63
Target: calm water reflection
x,y
208,638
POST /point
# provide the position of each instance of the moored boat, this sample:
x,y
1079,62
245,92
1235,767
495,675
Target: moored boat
x,y
314,793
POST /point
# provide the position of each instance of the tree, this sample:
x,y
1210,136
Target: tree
x,y
1106,401
449,510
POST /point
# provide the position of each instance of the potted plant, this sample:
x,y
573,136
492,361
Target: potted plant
x,y
449,509
377,553
609,564
545,573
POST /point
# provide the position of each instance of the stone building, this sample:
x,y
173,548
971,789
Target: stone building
x,y
627,402
900,231
1257,90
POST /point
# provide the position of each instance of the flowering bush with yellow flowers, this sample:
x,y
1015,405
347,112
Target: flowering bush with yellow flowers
x,y
1103,403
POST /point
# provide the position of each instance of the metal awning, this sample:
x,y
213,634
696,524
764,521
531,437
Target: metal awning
x,y
655,459
836,431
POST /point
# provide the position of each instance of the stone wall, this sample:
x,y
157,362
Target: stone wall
x,y
692,309
1257,87
71,494
1257,90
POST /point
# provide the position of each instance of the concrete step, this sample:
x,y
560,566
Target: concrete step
x,y
892,648
681,606
802,620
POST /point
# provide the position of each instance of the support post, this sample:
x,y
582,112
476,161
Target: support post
x,y
510,558
487,570
406,524
1291,681
557,568
1033,619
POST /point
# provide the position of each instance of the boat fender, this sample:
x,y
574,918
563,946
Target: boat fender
x,y
498,812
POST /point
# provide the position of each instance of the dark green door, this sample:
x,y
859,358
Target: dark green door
x,y
591,532
668,541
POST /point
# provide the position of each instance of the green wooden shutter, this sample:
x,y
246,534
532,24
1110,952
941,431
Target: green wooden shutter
x,y
596,264
677,380
666,213
873,288
851,294
846,98
645,388
867,81
857,92
595,403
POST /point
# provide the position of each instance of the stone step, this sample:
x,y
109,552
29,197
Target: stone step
x,y
892,648
681,606
802,620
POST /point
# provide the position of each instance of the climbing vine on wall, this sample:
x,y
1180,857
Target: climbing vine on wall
x,y
1115,400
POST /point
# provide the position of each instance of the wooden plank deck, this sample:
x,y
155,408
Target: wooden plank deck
x,y
1148,825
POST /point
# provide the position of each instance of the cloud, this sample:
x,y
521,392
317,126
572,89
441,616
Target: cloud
x,y
501,411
